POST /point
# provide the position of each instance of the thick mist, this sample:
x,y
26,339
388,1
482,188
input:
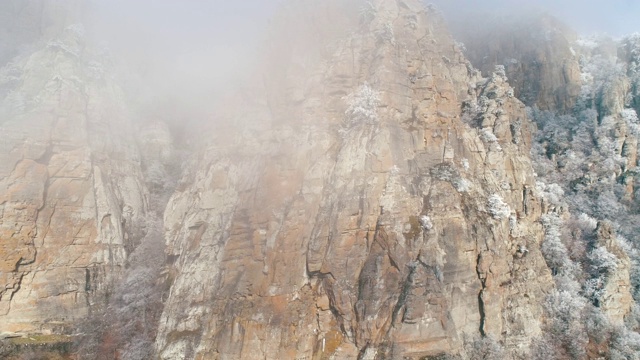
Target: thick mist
x,y
615,18
181,57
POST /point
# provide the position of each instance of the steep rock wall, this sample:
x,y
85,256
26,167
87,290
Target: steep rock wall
x,y
353,209
71,191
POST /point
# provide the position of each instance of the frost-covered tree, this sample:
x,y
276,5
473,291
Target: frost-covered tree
x,y
589,155
497,207
554,250
125,327
362,106
625,345
485,348
566,323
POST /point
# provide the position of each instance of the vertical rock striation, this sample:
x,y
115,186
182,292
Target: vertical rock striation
x,y
374,199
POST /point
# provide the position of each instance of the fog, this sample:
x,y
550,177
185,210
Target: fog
x,y
614,17
190,53
202,47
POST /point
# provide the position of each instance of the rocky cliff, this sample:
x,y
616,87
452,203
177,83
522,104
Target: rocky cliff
x,y
356,210
71,190
369,194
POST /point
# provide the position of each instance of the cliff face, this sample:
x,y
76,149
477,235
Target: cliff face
x,y
369,195
355,210
71,191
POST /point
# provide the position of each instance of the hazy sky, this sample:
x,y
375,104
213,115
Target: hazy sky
x,y
227,28
614,17
189,50
184,31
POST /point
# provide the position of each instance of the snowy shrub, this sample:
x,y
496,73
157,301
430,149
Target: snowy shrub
x,y
587,42
500,71
386,35
460,46
510,93
362,106
444,172
602,261
426,223
567,282
554,251
516,131
488,136
497,207
625,345
58,45
553,193
465,164
367,12
632,320
77,29
594,289
565,311
447,172
586,222
631,119
485,348
608,206
461,184
470,111
545,348
597,324
629,115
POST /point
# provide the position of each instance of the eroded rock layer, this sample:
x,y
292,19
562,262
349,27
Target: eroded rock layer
x,y
374,199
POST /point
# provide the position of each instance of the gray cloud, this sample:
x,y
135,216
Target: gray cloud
x,y
614,17
198,49
188,53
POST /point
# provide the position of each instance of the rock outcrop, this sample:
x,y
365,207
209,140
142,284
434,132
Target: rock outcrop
x,y
374,200
71,191
616,300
